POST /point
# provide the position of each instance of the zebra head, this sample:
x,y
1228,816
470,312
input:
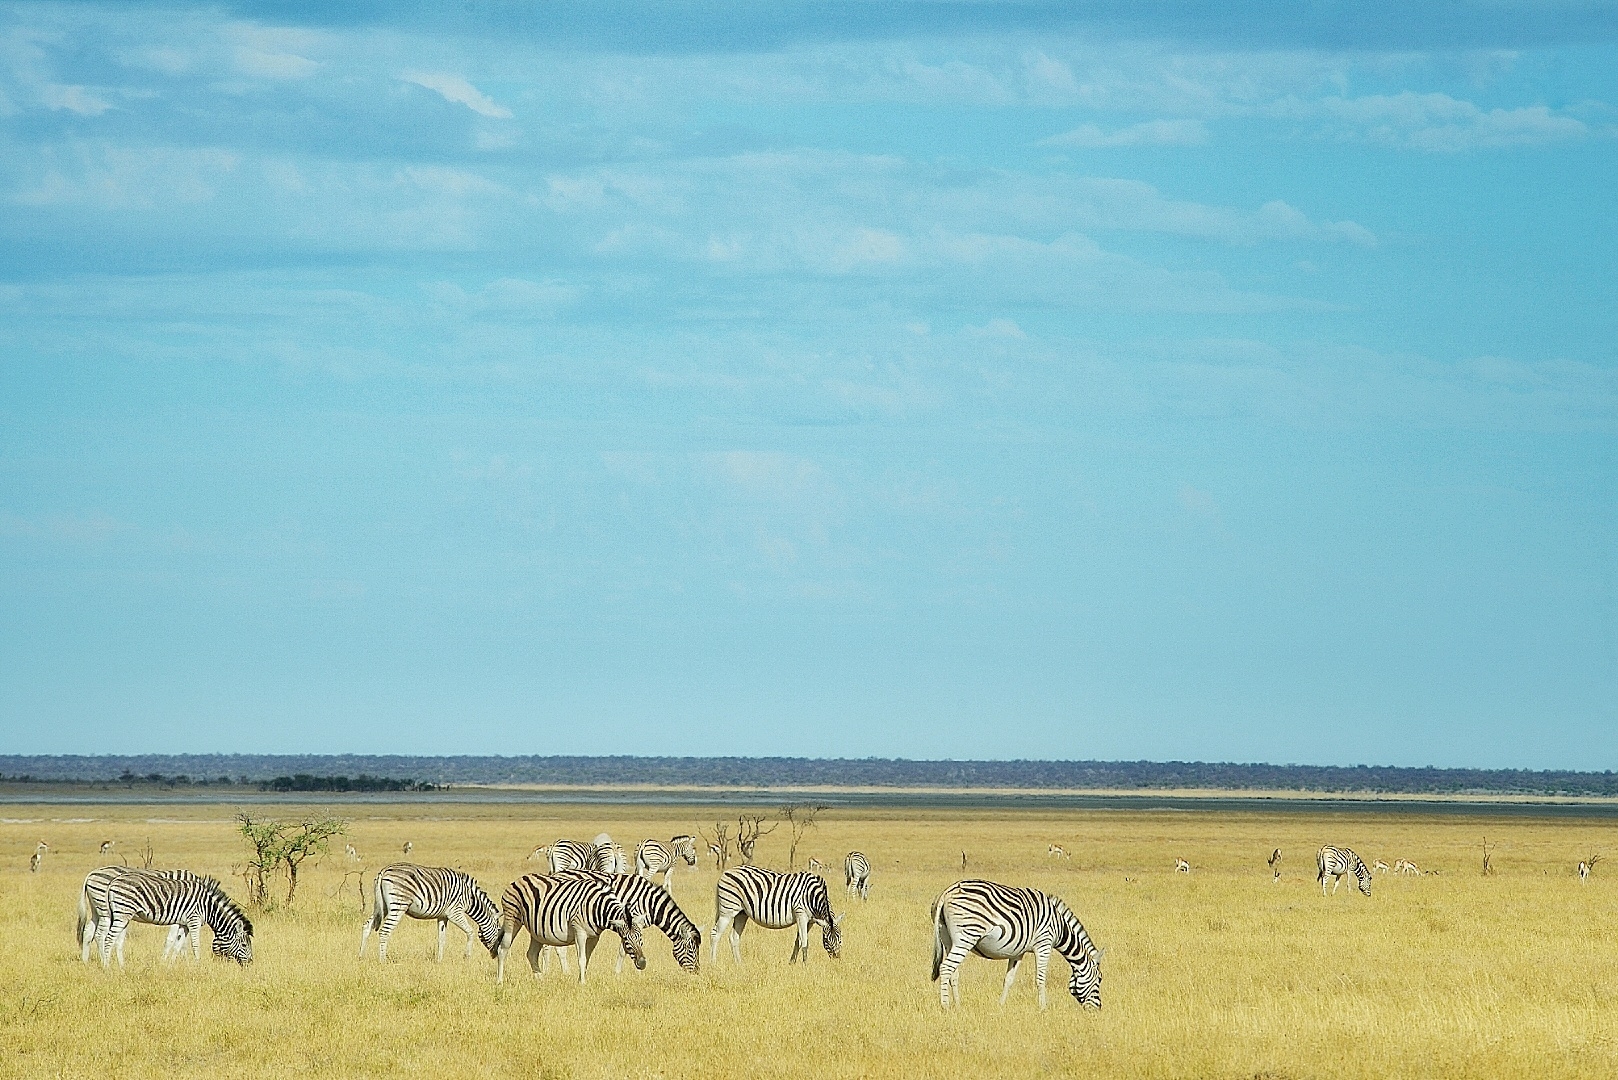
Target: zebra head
x,y
831,936
1365,878
626,924
687,943
1084,978
685,846
482,912
232,932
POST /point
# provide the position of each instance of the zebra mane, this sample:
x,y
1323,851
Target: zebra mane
x,y
1071,931
232,911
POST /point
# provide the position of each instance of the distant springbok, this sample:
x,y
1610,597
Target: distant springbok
x,y
106,847
348,850
1275,864
1405,866
543,851
1056,851
1181,866
33,863
1380,867
1586,866
407,846
815,865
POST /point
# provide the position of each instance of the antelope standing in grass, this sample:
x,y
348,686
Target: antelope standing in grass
x,y
1275,864
1057,851
1586,866
1181,866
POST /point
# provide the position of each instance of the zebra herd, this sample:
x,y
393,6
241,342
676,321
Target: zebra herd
x,y
590,891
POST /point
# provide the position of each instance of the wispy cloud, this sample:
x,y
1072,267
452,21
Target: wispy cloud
x,y
1436,122
273,65
1149,133
454,89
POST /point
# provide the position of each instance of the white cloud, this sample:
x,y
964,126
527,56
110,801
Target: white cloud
x,y
75,99
454,89
1149,133
273,65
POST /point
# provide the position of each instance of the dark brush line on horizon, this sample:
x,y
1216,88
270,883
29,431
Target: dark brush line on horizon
x,y
332,772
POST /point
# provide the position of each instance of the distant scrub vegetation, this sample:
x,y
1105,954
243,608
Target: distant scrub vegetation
x,y
360,773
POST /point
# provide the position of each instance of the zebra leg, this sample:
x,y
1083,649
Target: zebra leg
x,y
1042,963
196,939
464,924
949,973
536,955
389,923
585,946
800,946
443,925
736,935
720,927
1011,973
1337,879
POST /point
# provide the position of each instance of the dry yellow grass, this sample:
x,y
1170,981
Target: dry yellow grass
x,y
1219,973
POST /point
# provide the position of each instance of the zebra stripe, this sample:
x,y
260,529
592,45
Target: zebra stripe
x,y
654,905
430,892
568,855
655,857
573,910
1005,923
776,901
1334,862
93,912
857,873
155,897
610,858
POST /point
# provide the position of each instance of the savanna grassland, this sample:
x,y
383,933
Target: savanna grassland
x,y
1219,973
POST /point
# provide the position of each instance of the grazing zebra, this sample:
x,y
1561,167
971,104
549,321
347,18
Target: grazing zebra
x,y
92,911
154,897
775,901
857,874
655,857
654,906
1334,862
1005,923
1181,866
430,892
568,855
1057,851
561,911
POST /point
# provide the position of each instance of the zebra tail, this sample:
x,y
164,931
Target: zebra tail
x,y
938,939
379,903
84,913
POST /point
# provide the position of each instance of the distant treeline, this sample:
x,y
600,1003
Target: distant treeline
x,y
270,770
362,782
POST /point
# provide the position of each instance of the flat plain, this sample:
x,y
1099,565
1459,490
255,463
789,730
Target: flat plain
x,y
1216,973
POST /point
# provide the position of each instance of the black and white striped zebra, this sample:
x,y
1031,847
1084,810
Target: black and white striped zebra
x,y
1001,922
655,904
776,901
93,912
575,909
610,858
164,900
1334,862
430,892
857,873
655,857
568,855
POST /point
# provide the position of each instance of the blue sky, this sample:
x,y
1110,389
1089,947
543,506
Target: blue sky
x,y
1230,382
